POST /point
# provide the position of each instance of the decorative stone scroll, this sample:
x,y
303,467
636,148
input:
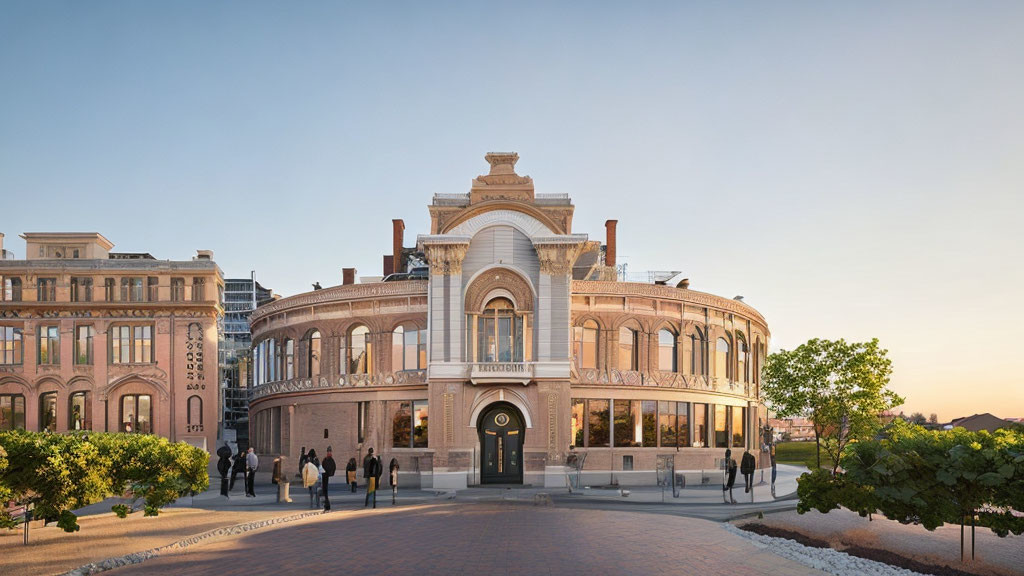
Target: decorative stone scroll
x,y
402,378
557,254
445,258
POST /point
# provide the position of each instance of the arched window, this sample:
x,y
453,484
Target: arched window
x,y
289,358
667,357
360,351
194,414
48,412
723,359
313,354
585,344
742,357
408,348
80,411
272,360
499,333
698,353
629,349
137,414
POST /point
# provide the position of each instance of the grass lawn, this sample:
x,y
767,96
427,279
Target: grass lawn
x,y
800,454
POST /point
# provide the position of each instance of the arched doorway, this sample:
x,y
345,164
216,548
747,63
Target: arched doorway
x,y
501,444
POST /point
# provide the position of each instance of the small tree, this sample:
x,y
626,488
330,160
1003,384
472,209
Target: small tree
x,y
933,418
840,385
918,418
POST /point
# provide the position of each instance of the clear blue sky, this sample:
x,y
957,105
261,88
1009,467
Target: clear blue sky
x,y
853,169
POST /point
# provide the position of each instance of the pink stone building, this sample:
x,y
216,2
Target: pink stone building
x,y
96,340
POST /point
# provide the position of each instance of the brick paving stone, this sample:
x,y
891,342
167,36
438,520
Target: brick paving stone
x,y
487,538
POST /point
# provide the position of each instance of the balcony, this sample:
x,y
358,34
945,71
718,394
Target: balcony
x,y
501,372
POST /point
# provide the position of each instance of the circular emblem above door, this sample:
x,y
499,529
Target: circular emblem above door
x,y
501,419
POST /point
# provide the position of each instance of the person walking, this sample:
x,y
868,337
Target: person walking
x,y
251,464
393,479
370,473
329,468
350,473
310,478
238,467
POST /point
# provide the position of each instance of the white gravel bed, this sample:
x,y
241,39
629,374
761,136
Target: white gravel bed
x,y
825,559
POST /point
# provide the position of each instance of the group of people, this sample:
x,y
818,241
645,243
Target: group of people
x,y
244,463
316,476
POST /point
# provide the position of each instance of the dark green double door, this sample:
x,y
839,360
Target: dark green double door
x,y
501,443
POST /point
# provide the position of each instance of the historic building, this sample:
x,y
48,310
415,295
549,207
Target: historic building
x,y
97,340
520,342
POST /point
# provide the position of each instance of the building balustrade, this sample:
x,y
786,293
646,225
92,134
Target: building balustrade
x,y
401,378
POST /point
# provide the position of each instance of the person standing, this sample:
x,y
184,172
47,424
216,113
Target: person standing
x,y
370,473
393,479
224,466
303,458
251,464
310,478
237,468
329,468
350,473
747,466
379,470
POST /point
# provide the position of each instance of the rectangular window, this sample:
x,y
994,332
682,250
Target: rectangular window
x,y
10,289
81,289
363,409
649,413
682,414
143,344
83,345
131,344
108,289
667,427
46,290
198,289
627,425
136,414
289,359
177,289
10,345
49,345
12,412
131,290
419,430
721,426
48,412
152,289
700,425
80,412
598,423
739,419
401,426
576,422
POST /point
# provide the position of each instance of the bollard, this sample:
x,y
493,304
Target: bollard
x,y
283,492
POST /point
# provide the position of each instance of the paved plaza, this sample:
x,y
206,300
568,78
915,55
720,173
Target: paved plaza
x,y
482,538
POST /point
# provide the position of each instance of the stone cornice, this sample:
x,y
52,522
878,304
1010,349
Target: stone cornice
x,y
582,287
344,293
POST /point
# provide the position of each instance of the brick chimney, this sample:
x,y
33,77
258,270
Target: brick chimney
x,y
609,233
348,276
1,245
397,239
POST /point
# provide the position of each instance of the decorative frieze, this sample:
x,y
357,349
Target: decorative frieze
x,y
660,379
402,378
665,292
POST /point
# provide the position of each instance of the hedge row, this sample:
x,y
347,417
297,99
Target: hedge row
x,y
58,473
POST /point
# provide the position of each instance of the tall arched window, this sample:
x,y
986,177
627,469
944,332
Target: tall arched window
x,y
742,357
499,332
272,360
629,349
698,353
313,354
194,414
723,359
289,358
667,357
79,411
585,344
360,351
408,348
48,412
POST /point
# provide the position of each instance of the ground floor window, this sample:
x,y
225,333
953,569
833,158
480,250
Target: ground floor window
x,y
722,426
598,423
635,423
409,425
576,422
137,414
80,411
12,412
700,425
48,412
674,424
739,419
267,431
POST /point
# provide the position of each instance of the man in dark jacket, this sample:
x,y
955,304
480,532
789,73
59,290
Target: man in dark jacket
x,y
238,468
747,466
369,464
224,466
329,469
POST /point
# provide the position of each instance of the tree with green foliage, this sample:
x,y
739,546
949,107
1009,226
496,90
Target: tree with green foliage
x,y
57,473
928,477
839,385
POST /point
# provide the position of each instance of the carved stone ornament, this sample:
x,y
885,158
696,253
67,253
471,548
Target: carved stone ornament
x,y
492,279
557,259
446,259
